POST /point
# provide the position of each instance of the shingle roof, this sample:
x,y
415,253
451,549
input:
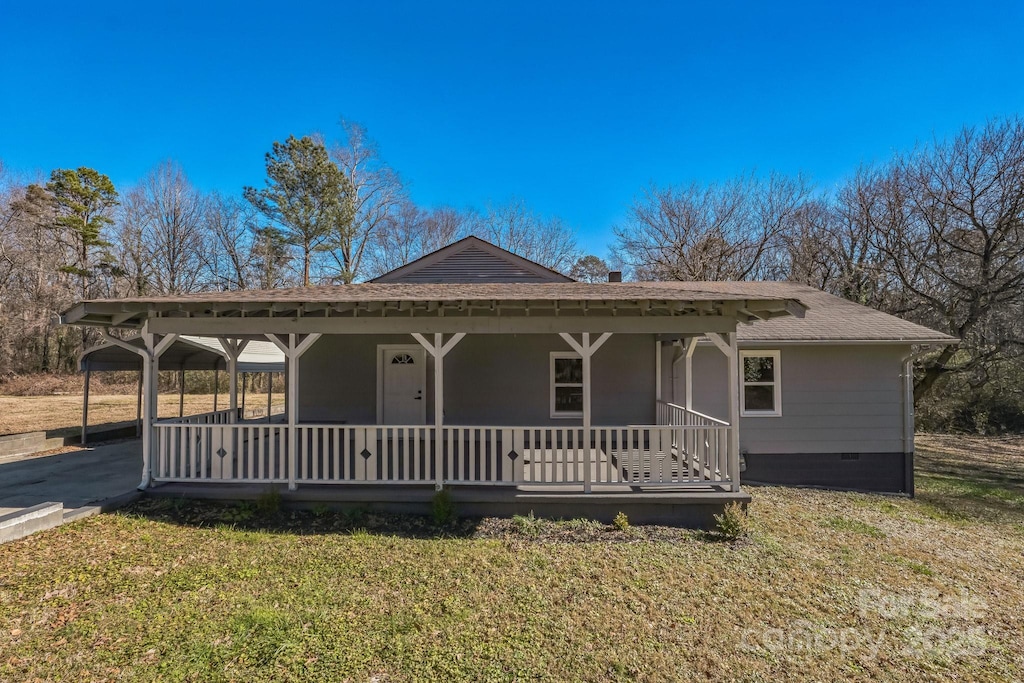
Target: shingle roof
x,y
828,318
474,291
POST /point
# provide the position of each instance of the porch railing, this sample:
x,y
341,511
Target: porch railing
x,y
672,414
636,455
216,417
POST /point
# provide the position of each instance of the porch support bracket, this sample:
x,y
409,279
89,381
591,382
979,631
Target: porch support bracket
x,y
586,349
150,354
232,350
438,350
293,348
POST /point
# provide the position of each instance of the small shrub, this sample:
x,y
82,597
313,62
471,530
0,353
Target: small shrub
x,y
527,525
732,524
443,508
242,512
269,502
321,510
621,521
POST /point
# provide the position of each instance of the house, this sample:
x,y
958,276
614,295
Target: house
x,y
475,370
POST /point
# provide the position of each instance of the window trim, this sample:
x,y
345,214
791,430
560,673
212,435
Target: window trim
x,y
559,415
777,384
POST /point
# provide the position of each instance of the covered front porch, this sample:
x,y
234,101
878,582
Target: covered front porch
x,y
673,454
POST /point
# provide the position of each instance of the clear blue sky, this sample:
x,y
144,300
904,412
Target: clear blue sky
x,y
572,106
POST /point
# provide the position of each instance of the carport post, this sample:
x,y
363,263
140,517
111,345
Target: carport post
x,y
270,386
181,392
138,408
85,406
216,387
243,394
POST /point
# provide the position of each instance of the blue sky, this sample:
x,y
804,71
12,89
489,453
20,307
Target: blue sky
x,y
572,106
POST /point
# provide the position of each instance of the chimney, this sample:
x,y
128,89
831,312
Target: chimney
x,y
615,276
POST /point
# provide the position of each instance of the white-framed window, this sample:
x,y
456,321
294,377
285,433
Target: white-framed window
x,y
760,384
566,384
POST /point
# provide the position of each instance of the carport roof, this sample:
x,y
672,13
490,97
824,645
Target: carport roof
x,y
186,353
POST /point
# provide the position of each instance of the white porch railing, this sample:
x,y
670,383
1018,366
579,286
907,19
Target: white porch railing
x,y
217,417
672,414
637,455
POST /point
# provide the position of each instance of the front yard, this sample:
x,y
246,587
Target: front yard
x,y
827,586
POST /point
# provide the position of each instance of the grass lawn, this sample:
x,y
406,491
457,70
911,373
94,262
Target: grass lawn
x,y
62,415
827,586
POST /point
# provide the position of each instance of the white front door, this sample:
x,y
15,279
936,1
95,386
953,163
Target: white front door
x,y
402,373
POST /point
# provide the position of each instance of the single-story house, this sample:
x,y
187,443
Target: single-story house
x,y
478,371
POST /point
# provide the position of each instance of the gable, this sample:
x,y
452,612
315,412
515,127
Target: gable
x,y
471,260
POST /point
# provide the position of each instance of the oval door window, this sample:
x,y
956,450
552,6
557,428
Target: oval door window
x,y
402,359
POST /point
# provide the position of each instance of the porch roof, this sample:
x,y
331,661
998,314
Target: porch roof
x,y
385,300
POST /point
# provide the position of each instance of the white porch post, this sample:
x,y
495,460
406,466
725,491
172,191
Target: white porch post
x,y
438,350
726,343
232,350
586,351
150,367
691,346
293,412
270,394
85,407
657,372
293,351
181,391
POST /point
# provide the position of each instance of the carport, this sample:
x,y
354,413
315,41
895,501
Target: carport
x,y
185,353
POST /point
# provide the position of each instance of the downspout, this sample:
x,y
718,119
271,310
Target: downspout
x,y
908,415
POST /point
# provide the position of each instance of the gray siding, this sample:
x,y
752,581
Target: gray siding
x,y
489,379
835,399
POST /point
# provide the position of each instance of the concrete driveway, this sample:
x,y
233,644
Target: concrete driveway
x,y
75,479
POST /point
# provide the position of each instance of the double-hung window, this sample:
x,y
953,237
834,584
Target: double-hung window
x,y
760,384
566,384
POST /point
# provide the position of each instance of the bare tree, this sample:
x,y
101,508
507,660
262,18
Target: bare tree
x,y
377,192
515,227
952,235
173,211
727,231
408,232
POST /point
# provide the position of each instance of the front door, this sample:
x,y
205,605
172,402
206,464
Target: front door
x,y
402,379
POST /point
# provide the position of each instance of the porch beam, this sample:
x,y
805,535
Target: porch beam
x,y
657,371
650,324
689,348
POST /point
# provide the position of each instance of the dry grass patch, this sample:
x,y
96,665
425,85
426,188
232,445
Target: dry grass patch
x,y
828,586
62,415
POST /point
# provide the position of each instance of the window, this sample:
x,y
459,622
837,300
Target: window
x,y
760,384
566,384
402,359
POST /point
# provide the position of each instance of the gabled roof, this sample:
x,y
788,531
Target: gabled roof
x,y
471,259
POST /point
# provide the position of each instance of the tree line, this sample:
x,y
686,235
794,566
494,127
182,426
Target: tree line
x,y
934,235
